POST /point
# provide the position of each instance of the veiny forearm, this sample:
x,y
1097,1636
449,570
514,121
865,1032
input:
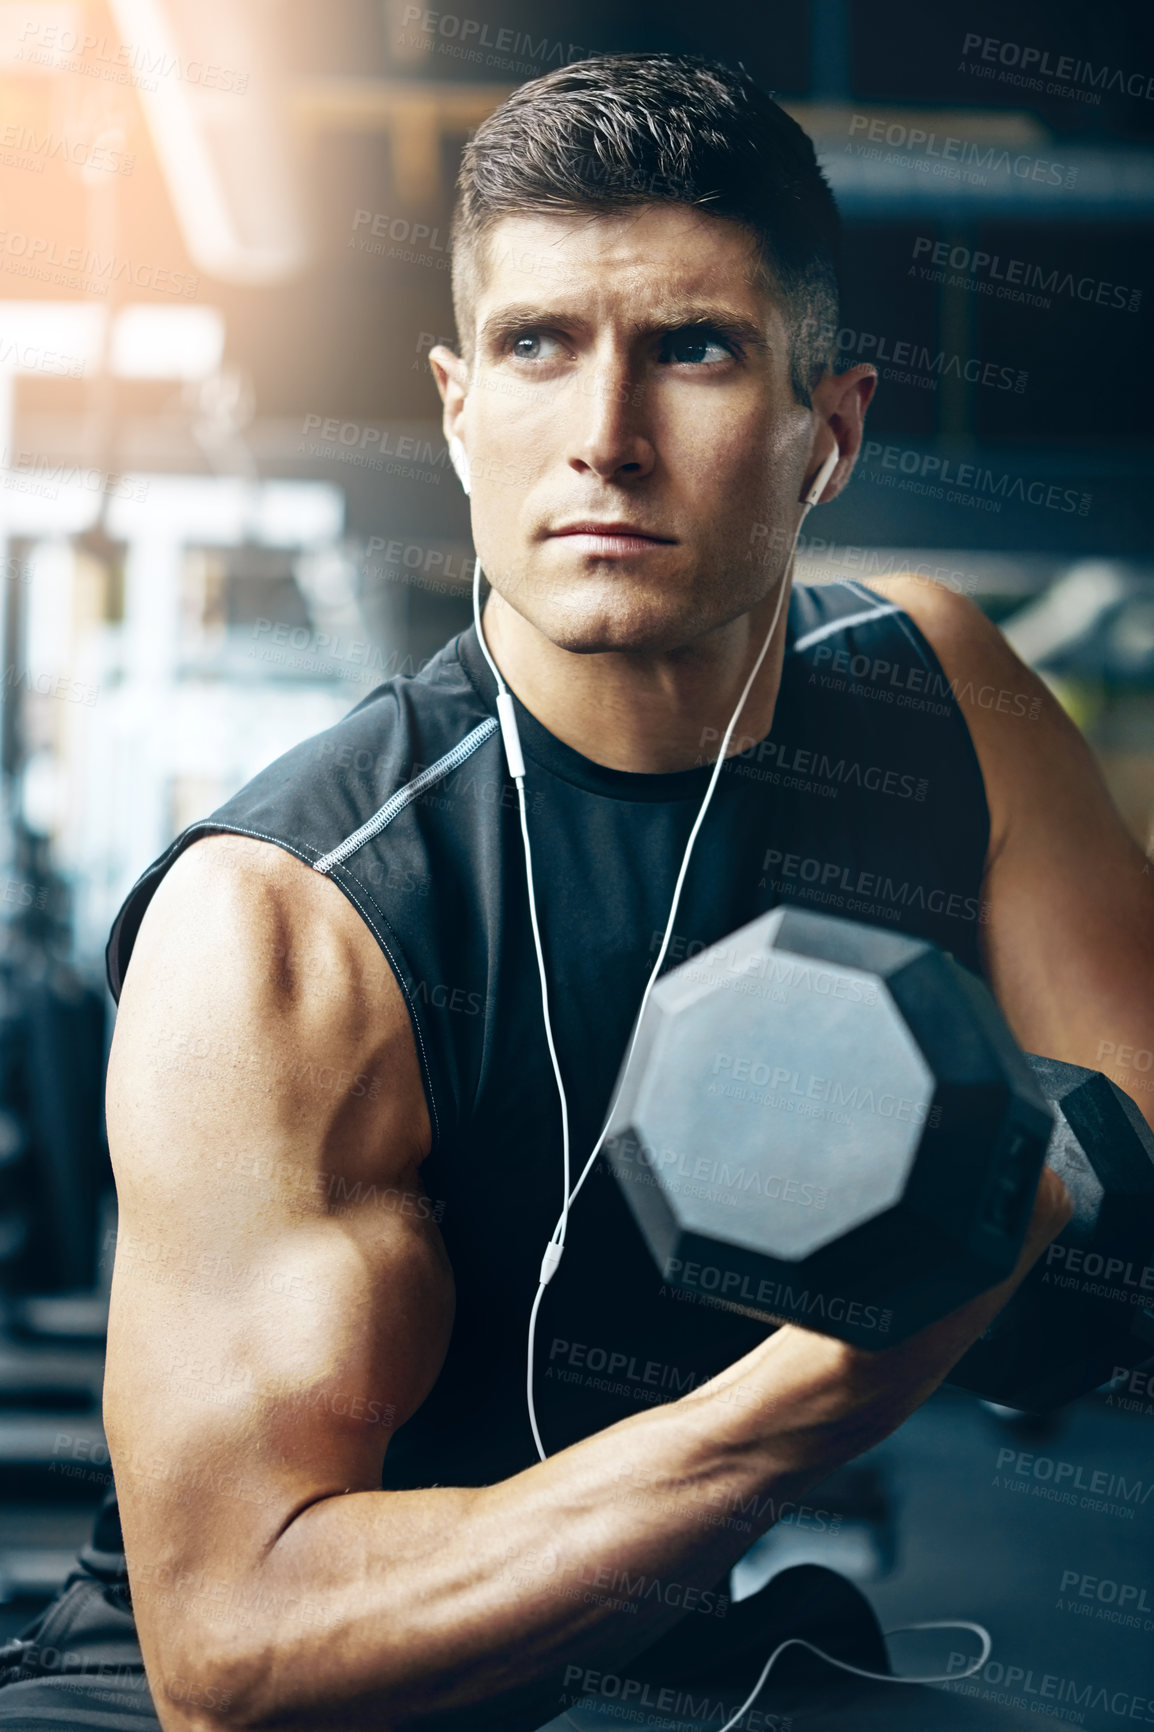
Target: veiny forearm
x,y
394,1609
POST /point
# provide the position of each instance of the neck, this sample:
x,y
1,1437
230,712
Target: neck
x,y
642,711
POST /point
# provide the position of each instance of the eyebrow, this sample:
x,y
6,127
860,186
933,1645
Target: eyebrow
x,y
674,316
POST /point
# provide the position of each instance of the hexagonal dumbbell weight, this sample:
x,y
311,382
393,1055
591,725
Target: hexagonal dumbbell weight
x,y
831,1124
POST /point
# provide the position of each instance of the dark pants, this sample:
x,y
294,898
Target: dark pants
x,y
78,1665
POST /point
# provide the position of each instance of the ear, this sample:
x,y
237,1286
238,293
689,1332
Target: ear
x,y
452,376
840,402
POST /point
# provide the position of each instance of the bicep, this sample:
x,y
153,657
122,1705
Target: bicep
x,y
1069,938
281,1299
1067,932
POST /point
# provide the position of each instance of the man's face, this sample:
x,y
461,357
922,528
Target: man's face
x,y
629,370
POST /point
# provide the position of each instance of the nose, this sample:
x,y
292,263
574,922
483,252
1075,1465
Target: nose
x,y
610,438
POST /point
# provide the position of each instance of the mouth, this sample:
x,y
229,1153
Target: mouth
x,y
592,536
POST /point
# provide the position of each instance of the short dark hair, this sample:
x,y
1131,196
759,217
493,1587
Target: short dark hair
x,y
621,130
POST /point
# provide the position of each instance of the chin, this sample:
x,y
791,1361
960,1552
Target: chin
x,y
627,625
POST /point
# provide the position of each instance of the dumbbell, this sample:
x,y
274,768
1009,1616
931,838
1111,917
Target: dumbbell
x,y
831,1124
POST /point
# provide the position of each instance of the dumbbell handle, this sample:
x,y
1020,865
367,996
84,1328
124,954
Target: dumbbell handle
x,y
1073,1321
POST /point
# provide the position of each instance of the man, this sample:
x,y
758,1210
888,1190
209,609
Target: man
x,y
332,1113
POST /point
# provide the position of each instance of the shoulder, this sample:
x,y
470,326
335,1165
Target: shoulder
x,y
245,894
857,606
951,622
246,950
988,677
235,909
1024,740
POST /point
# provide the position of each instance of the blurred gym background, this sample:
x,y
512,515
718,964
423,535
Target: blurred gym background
x,y
226,514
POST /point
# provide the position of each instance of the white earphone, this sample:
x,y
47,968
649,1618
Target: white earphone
x,y
817,486
459,461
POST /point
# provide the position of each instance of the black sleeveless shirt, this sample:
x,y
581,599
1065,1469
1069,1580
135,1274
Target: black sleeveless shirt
x,y
865,800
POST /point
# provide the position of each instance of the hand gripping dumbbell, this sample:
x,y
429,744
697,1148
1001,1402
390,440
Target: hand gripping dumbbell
x,y
1085,1312
831,1124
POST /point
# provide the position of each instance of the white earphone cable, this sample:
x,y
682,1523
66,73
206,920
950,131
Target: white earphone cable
x,y
556,1245
508,721
979,1630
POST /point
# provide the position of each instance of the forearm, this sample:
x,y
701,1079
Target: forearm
x,y
407,1605
401,1609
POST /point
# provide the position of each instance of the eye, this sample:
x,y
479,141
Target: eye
x,y
695,347
533,346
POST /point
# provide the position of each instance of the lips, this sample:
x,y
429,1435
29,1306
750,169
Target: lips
x,y
615,530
